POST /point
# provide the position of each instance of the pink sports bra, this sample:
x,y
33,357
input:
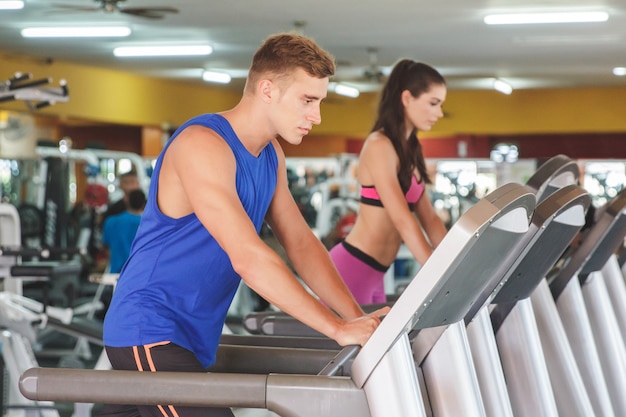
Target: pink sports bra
x,y
370,196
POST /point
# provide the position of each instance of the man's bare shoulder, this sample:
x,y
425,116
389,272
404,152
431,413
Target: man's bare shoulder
x,y
197,132
198,158
198,141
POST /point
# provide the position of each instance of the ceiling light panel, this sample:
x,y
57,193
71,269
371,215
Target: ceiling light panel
x,y
551,17
502,86
216,77
346,90
11,5
180,50
76,32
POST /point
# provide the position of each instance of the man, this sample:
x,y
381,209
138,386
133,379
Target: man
x,y
127,183
217,179
119,230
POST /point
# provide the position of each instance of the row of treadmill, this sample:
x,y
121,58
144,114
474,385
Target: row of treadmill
x,y
517,313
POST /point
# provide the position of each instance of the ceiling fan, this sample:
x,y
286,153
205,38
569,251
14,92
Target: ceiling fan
x,y
113,6
368,78
373,73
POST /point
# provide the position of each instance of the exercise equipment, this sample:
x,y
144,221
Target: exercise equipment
x,y
555,222
19,318
22,87
566,209
585,307
12,254
382,378
614,281
10,235
23,319
506,346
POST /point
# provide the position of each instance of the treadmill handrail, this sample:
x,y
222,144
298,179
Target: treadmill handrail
x,y
129,387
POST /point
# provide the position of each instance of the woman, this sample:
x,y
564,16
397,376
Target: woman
x,y
392,172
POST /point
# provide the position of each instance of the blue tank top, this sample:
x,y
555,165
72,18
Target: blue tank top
x,y
178,283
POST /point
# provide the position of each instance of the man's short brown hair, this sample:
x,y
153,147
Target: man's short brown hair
x,y
281,54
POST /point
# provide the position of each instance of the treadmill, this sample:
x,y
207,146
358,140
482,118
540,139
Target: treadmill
x,y
584,304
536,386
556,220
559,215
378,379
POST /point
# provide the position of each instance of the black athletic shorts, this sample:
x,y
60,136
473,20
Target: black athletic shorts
x,y
164,356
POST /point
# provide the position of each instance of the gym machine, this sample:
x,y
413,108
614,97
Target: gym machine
x,y
557,218
517,355
22,87
23,319
560,217
520,350
381,380
19,319
584,305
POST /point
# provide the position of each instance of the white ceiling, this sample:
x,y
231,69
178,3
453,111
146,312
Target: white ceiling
x,y
448,34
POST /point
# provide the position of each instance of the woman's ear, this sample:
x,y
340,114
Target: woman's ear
x,y
406,97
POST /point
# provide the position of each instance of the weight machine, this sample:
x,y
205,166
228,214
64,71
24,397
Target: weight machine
x,y
22,87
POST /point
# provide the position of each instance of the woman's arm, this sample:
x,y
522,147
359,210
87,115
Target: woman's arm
x,y
432,224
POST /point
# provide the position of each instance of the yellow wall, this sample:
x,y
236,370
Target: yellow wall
x,y
103,95
576,110
108,96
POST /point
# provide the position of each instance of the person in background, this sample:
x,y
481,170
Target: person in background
x,y
394,207
218,178
128,182
86,225
119,230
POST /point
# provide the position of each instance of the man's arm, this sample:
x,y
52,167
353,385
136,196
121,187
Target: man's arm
x,y
201,164
305,251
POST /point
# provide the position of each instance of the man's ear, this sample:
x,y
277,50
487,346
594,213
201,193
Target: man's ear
x,y
265,89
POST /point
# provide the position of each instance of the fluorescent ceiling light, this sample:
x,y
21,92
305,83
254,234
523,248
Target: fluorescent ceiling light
x,y
11,5
529,18
502,87
76,32
179,50
346,90
216,77
619,71
584,39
